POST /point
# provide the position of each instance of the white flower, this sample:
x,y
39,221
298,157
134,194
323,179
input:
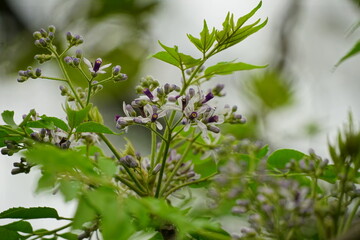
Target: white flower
x,y
96,67
153,115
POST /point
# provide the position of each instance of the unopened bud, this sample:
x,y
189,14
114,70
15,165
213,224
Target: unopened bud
x,y
52,28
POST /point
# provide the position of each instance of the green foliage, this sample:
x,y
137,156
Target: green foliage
x,y
8,117
30,213
280,158
353,51
225,68
93,127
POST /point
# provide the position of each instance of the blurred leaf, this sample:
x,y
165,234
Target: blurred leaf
x,y
4,135
107,166
269,91
75,118
69,236
30,213
146,235
281,157
93,127
69,189
355,50
19,226
84,213
262,152
173,57
329,174
48,122
8,117
224,68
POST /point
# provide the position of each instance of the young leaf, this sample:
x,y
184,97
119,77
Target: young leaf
x,y
69,236
30,213
75,118
355,50
173,57
224,68
281,157
56,121
93,127
206,40
8,117
19,226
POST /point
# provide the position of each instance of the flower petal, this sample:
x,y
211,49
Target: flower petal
x,y
105,66
88,63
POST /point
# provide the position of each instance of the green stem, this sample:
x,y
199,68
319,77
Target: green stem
x,y
40,235
188,183
178,164
117,155
67,49
129,185
53,78
153,146
12,130
167,146
351,216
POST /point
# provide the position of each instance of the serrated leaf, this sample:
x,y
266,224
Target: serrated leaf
x,y
206,40
19,226
8,117
196,42
76,117
93,127
224,68
173,57
281,157
30,213
244,18
353,51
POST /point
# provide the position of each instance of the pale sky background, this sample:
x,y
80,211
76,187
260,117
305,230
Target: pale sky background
x,y
322,95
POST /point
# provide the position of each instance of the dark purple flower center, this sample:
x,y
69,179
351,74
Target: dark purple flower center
x,y
193,115
97,65
154,117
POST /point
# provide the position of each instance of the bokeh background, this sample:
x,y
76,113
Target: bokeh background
x,y
299,102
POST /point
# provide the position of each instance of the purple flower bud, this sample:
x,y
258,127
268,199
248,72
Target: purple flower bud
x,y
138,120
68,60
148,93
167,88
51,36
116,70
69,36
76,61
191,92
160,92
42,42
43,33
117,117
208,97
218,88
172,98
214,118
238,116
213,129
21,73
38,72
78,53
234,108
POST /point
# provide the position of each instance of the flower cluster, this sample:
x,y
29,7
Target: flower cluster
x,y
29,73
44,38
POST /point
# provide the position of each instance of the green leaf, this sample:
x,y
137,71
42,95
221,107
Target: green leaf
x,y
4,135
355,50
173,57
8,117
57,122
262,152
146,235
70,189
224,68
8,234
19,226
232,33
206,40
75,118
30,213
281,157
41,124
107,166
329,174
69,236
93,127
84,213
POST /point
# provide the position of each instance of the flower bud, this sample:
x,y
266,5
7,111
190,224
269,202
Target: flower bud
x,y
37,72
116,70
52,28
78,53
37,35
69,36
156,169
43,33
42,42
